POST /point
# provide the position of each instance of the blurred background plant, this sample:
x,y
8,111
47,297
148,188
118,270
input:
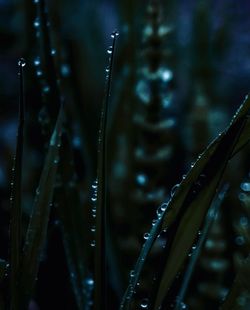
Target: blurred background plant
x,y
181,68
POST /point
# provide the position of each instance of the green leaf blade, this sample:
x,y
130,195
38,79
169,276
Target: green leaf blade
x,y
37,230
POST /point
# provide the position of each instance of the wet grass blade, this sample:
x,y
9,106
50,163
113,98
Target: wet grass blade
x,y
190,203
37,229
48,52
240,287
100,249
134,277
190,268
16,200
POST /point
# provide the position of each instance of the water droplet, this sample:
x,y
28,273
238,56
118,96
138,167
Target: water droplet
x,y
161,209
144,303
37,61
109,50
245,186
174,188
132,273
166,75
94,199
92,244
114,34
146,236
95,184
141,179
164,206
107,70
21,62
89,282
36,23
39,73
53,52
154,222
35,1
92,229
183,305
65,70
46,89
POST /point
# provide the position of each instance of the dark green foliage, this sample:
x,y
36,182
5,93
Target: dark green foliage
x,y
37,229
168,102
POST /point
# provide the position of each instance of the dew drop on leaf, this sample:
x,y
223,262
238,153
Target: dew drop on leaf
x,y
146,236
174,188
21,62
144,303
132,273
109,50
114,34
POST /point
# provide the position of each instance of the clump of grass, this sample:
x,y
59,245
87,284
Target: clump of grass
x,y
183,221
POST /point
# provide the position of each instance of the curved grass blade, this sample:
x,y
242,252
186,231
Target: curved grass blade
x,y
37,229
190,268
100,250
16,199
172,211
134,276
193,198
241,286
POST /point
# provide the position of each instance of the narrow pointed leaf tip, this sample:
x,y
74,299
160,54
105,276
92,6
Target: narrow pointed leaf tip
x,y
101,215
16,197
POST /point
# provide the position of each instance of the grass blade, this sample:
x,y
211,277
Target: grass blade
x,y
219,151
134,277
16,200
193,198
189,271
100,250
36,233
